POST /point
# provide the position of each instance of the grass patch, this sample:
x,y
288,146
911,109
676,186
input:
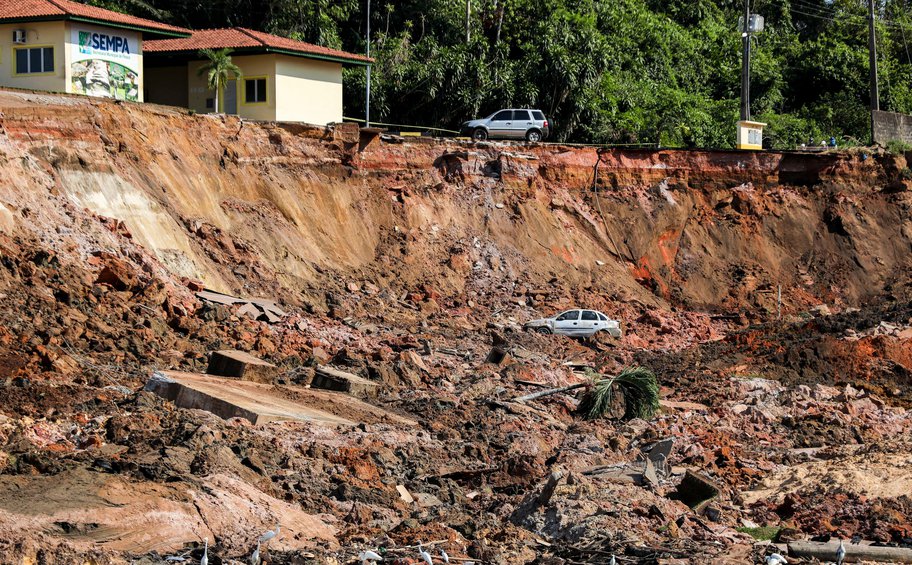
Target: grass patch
x,y
763,533
898,147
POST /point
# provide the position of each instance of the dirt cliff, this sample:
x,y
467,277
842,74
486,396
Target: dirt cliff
x,y
394,258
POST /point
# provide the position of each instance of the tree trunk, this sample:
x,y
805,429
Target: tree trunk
x,y
500,14
468,20
549,392
854,553
216,101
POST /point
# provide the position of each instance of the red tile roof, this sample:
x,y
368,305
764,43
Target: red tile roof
x,y
242,38
18,10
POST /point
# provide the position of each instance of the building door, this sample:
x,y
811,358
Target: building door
x,y
231,97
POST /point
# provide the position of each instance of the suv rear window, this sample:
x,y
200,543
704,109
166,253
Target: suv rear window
x,y
538,115
602,317
521,115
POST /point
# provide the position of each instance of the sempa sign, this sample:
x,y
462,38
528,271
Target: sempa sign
x,y
105,62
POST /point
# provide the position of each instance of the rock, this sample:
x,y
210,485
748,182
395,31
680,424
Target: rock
x,y
821,310
116,274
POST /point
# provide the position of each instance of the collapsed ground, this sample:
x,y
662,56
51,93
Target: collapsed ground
x,y
397,261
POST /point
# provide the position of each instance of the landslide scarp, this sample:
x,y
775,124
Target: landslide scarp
x,y
395,260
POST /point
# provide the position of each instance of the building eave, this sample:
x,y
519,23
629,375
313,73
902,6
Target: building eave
x,y
95,21
333,58
247,51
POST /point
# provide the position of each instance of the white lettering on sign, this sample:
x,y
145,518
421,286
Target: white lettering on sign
x,y
102,42
106,44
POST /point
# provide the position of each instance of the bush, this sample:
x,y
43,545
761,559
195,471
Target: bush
x,y
899,147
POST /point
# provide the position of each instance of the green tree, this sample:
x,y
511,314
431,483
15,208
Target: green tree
x,y
625,71
219,69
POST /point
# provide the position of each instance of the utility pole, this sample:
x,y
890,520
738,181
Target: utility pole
x,y
872,53
745,63
367,99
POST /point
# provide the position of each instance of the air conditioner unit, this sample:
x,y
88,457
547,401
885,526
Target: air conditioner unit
x,y
18,36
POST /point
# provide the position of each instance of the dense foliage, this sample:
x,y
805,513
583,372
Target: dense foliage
x,y
605,71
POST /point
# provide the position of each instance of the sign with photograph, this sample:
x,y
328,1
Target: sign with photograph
x,y
105,62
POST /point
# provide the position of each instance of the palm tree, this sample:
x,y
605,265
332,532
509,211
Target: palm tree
x,y
218,70
638,385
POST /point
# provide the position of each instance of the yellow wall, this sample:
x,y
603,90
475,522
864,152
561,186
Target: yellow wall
x,y
37,34
251,66
298,89
308,90
167,85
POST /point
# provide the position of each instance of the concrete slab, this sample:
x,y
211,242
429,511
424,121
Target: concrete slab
x,y
329,378
231,398
241,365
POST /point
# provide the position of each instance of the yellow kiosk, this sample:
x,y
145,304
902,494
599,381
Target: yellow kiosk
x,y
750,135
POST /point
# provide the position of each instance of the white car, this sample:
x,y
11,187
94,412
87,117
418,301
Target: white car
x,y
576,323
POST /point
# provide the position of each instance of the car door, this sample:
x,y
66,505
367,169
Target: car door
x,y
501,123
590,323
522,121
567,323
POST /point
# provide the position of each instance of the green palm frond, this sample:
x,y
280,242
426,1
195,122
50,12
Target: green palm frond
x,y
219,68
640,388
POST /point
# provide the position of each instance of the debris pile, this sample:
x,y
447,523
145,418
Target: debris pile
x,y
393,398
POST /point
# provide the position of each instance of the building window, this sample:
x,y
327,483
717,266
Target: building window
x,y
254,90
34,60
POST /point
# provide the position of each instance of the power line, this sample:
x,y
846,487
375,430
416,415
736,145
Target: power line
x,y
836,17
903,32
833,20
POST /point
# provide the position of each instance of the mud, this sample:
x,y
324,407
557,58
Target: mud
x,y
402,262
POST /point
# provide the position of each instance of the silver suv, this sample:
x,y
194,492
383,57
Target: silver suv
x,y
531,125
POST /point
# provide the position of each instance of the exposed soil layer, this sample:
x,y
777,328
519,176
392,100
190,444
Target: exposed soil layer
x,y
402,262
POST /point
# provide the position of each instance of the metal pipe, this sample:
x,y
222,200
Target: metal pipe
x,y
745,63
872,54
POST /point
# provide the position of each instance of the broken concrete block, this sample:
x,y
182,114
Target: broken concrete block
x,y
660,451
240,365
329,378
426,500
404,494
231,398
499,356
696,491
649,472
249,310
544,497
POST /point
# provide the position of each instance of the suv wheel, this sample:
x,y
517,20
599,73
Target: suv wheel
x,y
480,134
533,136
543,330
